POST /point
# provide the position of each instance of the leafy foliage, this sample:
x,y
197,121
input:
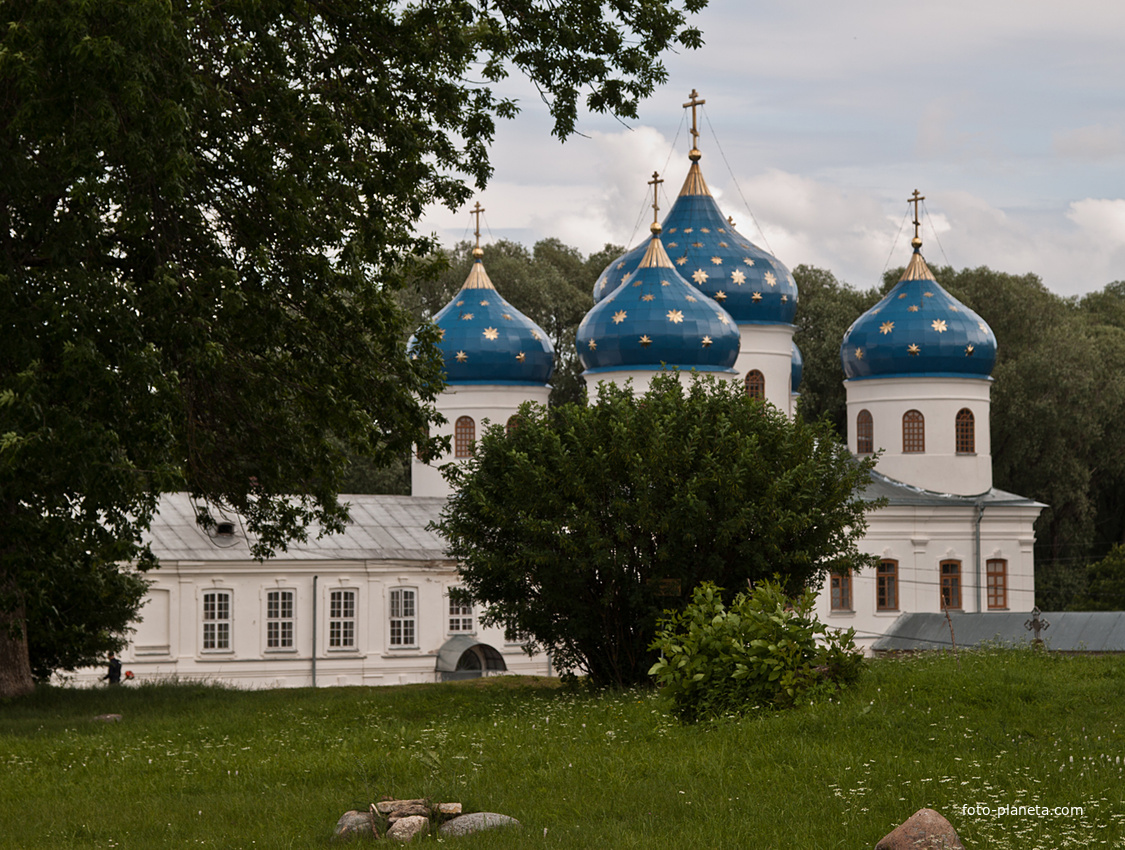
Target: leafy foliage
x,y
205,210
766,649
580,524
1105,583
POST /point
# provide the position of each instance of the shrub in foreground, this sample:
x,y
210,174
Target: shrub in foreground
x,y
767,649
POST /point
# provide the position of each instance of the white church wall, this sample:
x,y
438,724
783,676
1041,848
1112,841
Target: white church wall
x,y
769,349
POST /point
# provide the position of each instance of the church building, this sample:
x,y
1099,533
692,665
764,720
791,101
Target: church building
x,y
373,605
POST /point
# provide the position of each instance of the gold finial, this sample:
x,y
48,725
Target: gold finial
x,y
655,184
694,155
916,199
477,210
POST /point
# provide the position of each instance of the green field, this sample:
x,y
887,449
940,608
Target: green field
x,y
203,766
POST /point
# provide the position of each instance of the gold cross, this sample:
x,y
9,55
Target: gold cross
x,y
477,210
693,103
916,199
655,184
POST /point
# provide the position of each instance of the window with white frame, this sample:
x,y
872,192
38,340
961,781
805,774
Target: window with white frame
x,y
341,619
403,617
216,621
279,619
460,617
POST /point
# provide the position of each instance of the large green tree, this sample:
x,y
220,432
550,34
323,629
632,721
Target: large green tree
x,y
205,209
577,526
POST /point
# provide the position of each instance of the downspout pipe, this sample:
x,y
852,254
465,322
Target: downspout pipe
x,y
976,550
314,632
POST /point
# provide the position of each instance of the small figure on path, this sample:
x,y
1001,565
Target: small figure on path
x,y
114,674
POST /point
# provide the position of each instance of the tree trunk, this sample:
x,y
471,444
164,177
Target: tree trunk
x,y
15,664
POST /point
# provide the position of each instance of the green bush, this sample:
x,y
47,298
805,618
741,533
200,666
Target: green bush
x,y
766,650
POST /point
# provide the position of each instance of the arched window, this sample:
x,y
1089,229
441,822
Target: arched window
x,y
464,435
950,585
886,586
997,583
755,384
966,432
913,432
864,433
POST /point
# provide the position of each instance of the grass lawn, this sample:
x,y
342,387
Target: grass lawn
x,y
200,766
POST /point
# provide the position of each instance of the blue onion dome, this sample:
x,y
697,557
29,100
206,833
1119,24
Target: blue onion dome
x,y
750,283
615,272
485,340
656,318
918,329
796,369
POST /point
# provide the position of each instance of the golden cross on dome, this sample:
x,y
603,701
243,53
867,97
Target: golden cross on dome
x,y
916,199
655,184
693,103
477,210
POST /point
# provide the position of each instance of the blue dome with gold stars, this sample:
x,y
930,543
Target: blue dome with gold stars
x,y
485,340
918,330
657,319
750,283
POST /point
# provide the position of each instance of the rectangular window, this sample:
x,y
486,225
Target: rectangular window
x,y
341,619
951,585
886,586
997,575
460,617
402,617
216,620
279,619
842,591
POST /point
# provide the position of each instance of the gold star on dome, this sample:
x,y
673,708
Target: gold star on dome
x,y
441,333
620,265
491,333
507,316
484,303
913,308
637,282
969,349
460,303
681,260
462,356
757,296
521,357
913,350
466,316
535,335
982,326
718,261
619,317
927,295
748,261
645,341
671,245
784,298
886,327
770,279
675,316
723,245
859,354
625,277
873,312
706,341
720,296
671,230
687,230
665,283
939,325
738,276
902,295
699,276
723,320
648,297
593,346
696,244
690,298
704,230
721,230
954,309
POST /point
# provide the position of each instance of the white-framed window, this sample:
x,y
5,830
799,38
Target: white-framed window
x,y
404,617
460,617
279,619
341,619
216,620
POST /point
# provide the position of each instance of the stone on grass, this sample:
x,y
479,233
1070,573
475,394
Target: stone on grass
x,y
449,808
108,718
475,822
406,828
390,807
923,830
355,824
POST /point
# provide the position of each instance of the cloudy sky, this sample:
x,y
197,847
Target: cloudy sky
x,y
822,117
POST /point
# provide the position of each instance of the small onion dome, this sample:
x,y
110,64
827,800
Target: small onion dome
x,y
918,329
655,319
612,275
485,340
796,369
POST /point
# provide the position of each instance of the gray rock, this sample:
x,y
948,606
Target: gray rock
x,y
355,824
406,828
108,718
475,822
388,807
923,830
